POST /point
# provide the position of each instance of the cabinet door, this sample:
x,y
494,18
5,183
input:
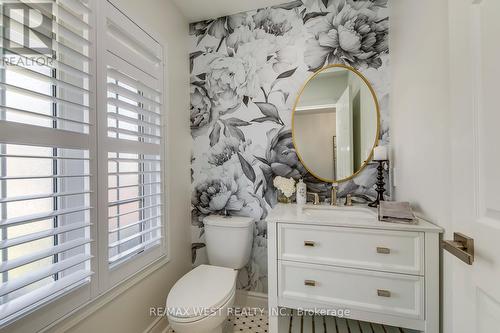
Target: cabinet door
x,y
383,250
328,287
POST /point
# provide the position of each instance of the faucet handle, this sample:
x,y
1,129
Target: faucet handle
x,y
348,200
315,196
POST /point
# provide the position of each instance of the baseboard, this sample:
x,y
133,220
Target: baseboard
x,y
159,325
251,299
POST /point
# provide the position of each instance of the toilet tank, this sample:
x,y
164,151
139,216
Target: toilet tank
x,y
228,240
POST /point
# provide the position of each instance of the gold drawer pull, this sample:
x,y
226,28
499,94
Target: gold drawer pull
x,y
383,250
310,283
383,293
309,243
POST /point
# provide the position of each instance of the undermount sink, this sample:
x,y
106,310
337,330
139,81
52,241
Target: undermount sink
x,y
338,212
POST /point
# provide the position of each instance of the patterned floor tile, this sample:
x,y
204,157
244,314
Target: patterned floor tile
x,y
250,322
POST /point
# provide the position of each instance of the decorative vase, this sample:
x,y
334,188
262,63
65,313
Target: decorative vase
x,y
283,198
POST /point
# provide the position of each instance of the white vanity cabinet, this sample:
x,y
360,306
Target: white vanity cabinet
x,y
343,258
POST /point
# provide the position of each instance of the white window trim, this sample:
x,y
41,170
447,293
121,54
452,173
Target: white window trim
x,y
79,303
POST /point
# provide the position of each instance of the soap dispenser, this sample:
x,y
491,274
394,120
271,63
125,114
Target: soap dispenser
x,y
301,192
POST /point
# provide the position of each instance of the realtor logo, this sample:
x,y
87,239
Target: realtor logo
x,y
27,27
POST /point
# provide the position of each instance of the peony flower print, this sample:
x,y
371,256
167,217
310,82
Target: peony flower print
x,y
224,150
242,35
276,21
267,53
280,160
334,6
216,196
231,79
201,109
227,83
367,4
220,27
224,190
281,154
199,28
356,37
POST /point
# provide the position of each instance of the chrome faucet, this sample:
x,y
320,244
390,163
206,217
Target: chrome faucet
x,y
315,196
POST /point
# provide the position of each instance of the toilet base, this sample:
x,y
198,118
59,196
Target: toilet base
x,y
223,327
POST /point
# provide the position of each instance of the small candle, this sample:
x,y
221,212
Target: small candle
x,y
380,153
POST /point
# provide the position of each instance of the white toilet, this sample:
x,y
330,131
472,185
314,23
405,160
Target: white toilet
x,y
199,301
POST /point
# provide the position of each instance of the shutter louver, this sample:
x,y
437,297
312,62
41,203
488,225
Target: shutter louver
x,y
46,64
134,204
133,133
45,224
46,160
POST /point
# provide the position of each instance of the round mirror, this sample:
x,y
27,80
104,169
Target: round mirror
x,y
335,123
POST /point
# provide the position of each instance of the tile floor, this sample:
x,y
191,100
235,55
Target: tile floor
x,y
250,322
256,322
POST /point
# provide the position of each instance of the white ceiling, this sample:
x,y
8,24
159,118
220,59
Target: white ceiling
x,y
197,10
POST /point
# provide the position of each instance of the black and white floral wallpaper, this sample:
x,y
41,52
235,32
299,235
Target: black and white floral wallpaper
x,y
246,71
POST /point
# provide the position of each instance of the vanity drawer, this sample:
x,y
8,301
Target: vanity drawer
x,y
383,250
328,287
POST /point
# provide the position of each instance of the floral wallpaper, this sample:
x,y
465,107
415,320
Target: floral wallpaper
x,y
246,70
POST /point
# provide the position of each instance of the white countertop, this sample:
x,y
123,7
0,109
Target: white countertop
x,y
293,213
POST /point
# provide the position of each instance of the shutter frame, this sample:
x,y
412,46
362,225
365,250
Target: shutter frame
x,y
122,65
72,99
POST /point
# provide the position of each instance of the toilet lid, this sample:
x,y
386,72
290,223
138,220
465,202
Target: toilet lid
x,y
228,221
203,289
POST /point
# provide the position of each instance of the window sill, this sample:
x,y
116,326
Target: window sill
x,y
72,318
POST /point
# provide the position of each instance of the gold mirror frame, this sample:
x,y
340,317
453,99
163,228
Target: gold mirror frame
x,y
377,109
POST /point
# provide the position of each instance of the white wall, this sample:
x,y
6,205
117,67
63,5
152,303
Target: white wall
x,y
313,133
421,114
129,313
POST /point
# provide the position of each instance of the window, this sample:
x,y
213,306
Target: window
x,y
130,136
45,224
81,153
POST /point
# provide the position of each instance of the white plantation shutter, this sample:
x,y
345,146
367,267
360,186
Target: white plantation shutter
x,y
134,204
61,75
47,153
131,135
133,106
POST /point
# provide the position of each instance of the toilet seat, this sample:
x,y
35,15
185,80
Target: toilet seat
x,y
197,319
200,292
